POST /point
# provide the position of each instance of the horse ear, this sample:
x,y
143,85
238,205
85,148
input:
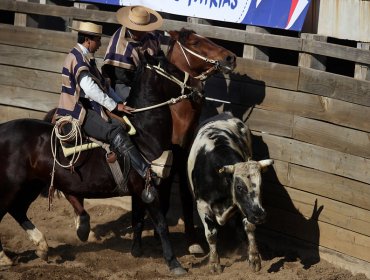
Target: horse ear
x,y
174,34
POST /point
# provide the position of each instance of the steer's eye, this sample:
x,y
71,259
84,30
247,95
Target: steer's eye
x,y
239,188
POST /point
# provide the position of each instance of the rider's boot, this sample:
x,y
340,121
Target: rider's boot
x,y
122,145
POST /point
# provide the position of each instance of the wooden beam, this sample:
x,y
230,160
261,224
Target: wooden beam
x,y
319,233
8,113
312,156
323,134
334,86
254,52
318,182
246,92
267,73
335,213
28,98
30,79
42,39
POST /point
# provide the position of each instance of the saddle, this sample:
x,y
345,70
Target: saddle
x,y
161,166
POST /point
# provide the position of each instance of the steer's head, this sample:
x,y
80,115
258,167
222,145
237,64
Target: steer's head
x,y
246,188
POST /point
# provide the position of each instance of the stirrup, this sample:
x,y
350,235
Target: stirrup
x,y
149,192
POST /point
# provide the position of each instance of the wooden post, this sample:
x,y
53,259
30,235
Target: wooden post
x,y
362,71
252,52
85,6
19,18
198,20
307,60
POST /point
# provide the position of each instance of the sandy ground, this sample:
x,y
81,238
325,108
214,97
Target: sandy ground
x,y
107,254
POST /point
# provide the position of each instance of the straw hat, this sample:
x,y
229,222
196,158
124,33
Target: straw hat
x,y
139,18
89,28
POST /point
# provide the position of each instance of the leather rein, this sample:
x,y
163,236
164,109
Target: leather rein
x,y
183,85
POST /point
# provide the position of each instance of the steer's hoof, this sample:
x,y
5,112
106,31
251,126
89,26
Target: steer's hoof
x,y
215,268
195,249
178,271
255,264
5,262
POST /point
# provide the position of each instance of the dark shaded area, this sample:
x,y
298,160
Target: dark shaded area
x,y
340,66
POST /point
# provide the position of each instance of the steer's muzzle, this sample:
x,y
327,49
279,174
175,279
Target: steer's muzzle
x,y
258,216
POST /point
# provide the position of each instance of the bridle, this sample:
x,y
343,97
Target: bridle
x,y
203,75
183,85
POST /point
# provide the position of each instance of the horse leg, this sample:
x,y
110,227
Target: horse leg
x,y
5,261
137,220
187,203
161,227
82,219
37,237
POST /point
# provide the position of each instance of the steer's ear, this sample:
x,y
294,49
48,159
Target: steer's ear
x,y
227,169
264,163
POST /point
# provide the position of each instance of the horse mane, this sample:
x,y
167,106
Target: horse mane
x,y
183,37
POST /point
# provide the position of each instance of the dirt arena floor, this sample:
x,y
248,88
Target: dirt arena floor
x,y
107,254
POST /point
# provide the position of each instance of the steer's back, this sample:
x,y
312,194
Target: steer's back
x,y
221,140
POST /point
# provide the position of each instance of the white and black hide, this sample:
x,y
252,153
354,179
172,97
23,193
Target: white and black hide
x,y
224,179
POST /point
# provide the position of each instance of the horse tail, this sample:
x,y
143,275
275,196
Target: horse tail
x,y
49,115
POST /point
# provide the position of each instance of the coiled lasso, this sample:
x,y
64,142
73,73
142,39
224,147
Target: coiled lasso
x,y
74,134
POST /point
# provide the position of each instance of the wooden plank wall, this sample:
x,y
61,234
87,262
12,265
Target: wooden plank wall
x,y
314,124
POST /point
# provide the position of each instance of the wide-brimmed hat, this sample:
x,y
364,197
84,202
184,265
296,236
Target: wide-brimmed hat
x,y
139,18
89,28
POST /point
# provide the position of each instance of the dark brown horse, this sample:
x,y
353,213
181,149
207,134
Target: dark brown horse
x,y
26,162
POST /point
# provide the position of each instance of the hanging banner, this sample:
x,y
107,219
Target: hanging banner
x,y
283,14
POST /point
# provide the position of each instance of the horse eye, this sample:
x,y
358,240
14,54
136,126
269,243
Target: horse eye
x,y
194,43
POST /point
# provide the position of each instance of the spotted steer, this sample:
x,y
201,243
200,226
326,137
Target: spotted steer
x,y
224,179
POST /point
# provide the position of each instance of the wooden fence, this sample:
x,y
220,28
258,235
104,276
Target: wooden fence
x,y
314,124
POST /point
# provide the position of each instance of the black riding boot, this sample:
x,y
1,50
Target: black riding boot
x,y
121,145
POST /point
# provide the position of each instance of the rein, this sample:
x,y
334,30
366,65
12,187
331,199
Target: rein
x,y
204,75
172,78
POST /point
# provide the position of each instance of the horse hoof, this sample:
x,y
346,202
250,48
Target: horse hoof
x,y
195,249
83,227
83,233
42,255
178,271
136,251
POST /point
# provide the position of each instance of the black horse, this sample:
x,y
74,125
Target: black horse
x,y
26,160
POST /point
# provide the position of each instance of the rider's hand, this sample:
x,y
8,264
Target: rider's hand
x,y
122,107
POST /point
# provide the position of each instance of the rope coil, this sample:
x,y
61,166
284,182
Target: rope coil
x,y
74,134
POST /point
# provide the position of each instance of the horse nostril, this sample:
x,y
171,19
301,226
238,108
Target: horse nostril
x,y
230,58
